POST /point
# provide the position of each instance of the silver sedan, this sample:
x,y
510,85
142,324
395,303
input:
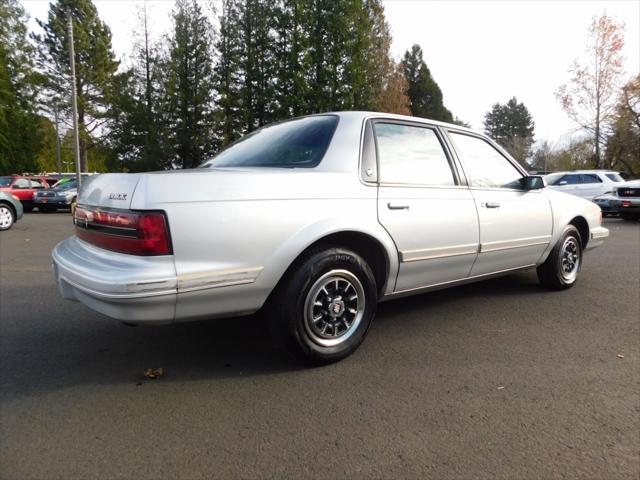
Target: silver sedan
x,y
314,221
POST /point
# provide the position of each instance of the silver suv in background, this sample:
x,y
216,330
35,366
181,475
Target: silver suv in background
x,y
584,183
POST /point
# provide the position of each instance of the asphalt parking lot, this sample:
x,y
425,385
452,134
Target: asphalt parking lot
x,y
500,379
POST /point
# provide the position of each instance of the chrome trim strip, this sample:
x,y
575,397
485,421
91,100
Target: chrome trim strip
x,y
517,243
460,281
216,284
117,296
440,252
217,278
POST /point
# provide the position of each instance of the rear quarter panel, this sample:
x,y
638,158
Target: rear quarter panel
x,y
229,254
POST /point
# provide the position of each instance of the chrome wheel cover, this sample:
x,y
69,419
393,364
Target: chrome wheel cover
x,y
334,308
570,259
6,218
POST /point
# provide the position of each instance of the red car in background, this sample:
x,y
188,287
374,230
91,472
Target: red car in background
x,y
24,186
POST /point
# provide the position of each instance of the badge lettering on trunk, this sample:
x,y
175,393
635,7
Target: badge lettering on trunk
x,y
118,196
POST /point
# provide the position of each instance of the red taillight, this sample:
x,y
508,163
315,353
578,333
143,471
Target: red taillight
x,y
135,233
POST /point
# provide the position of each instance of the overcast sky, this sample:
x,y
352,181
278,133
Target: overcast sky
x,y
479,52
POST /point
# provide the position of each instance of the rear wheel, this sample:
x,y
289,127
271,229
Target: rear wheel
x,y
324,307
630,216
560,270
7,218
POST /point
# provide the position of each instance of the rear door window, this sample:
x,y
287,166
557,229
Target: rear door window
x,y
21,184
410,154
590,178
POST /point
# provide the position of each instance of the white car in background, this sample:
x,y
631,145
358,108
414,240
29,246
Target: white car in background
x,y
584,183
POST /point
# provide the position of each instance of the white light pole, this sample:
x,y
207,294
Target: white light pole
x,y
74,100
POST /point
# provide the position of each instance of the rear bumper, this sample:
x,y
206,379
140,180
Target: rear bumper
x,y
125,287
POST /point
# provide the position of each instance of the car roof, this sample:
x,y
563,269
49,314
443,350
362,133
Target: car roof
x,y
394,116
583,171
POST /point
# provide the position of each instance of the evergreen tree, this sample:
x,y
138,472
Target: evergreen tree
x,y
139,130
291,57
511,126
19,133
227,76
189,87
95,61
257,62
424,93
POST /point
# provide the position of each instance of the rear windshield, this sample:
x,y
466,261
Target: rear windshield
x,y
5,181
299,143
614,177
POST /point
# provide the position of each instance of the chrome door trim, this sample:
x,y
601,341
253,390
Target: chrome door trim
x,y
452,283
441,252
517,243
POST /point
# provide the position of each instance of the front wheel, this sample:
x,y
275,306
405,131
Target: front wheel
x,y
6,217
324,308
560,270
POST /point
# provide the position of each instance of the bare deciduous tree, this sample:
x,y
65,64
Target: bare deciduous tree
x,y
590,96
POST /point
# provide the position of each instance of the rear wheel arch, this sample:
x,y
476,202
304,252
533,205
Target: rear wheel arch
x,y
365,245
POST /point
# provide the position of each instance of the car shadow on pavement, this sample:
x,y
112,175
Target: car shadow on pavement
x,y
74,346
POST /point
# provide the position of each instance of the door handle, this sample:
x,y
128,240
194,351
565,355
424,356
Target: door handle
x,y
393,206
491,205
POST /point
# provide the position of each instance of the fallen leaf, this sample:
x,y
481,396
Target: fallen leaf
x,y
154,372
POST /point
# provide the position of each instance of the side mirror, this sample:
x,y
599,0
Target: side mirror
x,y
533,182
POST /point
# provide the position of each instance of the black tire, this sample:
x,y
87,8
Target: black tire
x,y
46,209
566,254
630,217
295,302
27,209
7,217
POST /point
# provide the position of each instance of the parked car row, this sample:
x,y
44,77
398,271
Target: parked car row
x,y
23,193
24,187
606,188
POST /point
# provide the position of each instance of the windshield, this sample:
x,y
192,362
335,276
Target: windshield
x,y
5,181
614,177
65,184
299,143
553,178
